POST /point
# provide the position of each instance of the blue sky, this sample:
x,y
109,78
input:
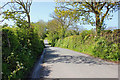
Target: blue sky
x,y
42,11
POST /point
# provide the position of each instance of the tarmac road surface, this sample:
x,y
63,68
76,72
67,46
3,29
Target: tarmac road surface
x,y
65,63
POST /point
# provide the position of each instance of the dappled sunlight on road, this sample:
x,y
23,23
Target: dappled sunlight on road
x,y
53,55
64,63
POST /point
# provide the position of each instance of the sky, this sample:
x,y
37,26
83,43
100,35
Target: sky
x,y
42,10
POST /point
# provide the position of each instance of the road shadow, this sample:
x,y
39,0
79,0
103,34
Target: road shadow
x,y
50,57
45,72
56,58
46,69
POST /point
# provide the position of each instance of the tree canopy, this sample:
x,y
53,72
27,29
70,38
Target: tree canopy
x,y
93,13
17,10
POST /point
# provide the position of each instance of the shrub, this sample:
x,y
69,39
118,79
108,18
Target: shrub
x,y
20,49
106,50
99,46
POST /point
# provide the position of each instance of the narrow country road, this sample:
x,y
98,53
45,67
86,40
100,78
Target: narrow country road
x,y
65,63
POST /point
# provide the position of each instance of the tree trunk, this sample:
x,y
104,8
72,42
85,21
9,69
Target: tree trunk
x,y
98,24
28,19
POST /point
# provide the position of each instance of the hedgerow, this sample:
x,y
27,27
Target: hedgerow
x,y
104,46
20,49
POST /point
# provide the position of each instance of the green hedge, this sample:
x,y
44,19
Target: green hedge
x,y
88,43
20,49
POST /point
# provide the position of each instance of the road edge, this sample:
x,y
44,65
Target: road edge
x,y
38,66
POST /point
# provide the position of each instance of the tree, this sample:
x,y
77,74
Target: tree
x,y
71,31
84,11
64,21
53,31
54,27
18,11
40,27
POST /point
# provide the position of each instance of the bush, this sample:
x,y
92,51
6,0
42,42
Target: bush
x,y
20,49
87,42
52,37
106,50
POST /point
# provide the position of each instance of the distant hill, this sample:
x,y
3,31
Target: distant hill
x,y
111,28
84,27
